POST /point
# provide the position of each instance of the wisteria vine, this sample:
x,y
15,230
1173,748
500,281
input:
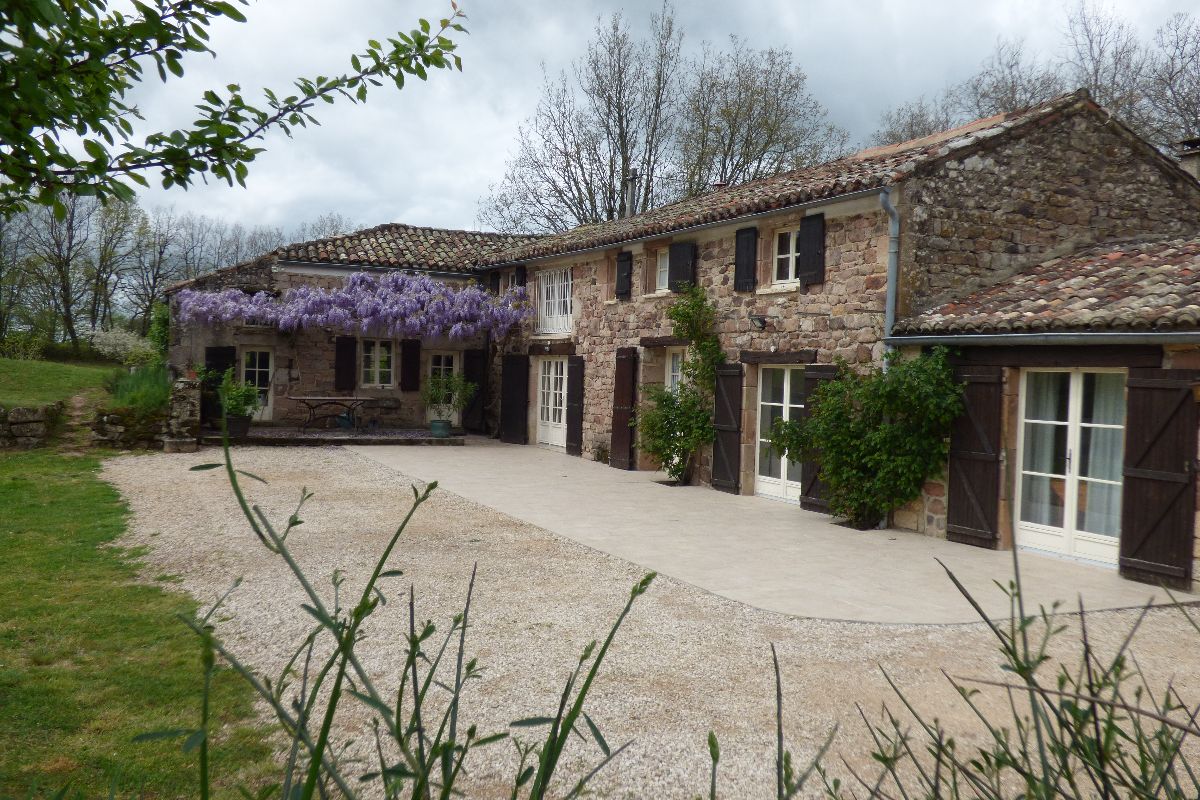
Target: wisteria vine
x,y
394,304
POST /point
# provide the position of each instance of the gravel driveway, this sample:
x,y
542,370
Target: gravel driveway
x,y
687,661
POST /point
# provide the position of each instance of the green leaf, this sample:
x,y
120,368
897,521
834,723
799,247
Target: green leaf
x,y
203,467
596,734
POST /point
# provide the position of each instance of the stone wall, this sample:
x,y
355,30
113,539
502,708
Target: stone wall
x,y
128,429
28,426
839,318
975,219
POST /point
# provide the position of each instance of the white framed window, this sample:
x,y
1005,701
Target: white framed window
x,y
786,243
507,281
662,271
376,363
674,368
554,300
442,364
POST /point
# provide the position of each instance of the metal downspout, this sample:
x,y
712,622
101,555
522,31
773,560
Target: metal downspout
x,y
893,266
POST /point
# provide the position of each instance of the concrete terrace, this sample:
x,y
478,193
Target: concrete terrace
x,y
768,554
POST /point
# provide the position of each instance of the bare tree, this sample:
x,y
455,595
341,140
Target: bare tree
x,y
14,272
591,130
1105,56
156,265
1173,80
196,244
1008,80
914,120
324,226
112,244
748,113
60,250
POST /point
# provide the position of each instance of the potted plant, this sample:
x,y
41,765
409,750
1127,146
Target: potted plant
x,y
444,395
238,402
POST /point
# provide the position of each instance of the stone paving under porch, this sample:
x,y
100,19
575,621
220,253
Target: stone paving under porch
x,y
768,554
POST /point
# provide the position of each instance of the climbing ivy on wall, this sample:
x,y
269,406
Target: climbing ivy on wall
x,y
674,424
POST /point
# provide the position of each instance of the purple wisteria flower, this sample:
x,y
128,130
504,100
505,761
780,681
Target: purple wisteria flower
x,y
394,304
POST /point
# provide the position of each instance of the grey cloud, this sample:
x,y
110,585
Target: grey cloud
x,y
426,154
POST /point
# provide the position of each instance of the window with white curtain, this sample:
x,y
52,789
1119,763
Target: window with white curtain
x,y
554,301
376,362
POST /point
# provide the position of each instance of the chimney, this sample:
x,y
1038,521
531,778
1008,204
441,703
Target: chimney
x,y
1189,155
717,186
631,192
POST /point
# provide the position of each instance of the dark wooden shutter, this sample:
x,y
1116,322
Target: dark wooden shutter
x,y
812,490
410,365
475,363
681,265
494,282
810,249
519,274
1159,495
624,287
973,469
345,363
514,399
745,260
620,451
727,419
574,405
217,360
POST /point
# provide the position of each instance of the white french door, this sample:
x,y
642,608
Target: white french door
x,y
1071,452
256,371
552,402
780,396
445,363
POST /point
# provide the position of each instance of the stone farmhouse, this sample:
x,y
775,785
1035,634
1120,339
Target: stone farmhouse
x,y
1056,252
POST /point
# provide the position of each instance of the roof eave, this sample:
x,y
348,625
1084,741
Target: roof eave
x,y
839,198
1044,339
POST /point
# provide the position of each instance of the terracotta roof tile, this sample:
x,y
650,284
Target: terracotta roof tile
x,y
874,168
397,246
1143,285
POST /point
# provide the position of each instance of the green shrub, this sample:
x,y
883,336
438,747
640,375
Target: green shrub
x,y
238,399
876,435
445,394
22,346
159,333
147,389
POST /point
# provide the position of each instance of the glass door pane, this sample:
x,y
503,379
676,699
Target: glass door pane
x,y
1044,449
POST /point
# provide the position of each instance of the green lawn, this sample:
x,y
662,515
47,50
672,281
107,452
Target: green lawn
x,y
89,658
34,383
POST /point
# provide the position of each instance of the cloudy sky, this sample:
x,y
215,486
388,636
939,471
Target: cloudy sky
x,y
425,155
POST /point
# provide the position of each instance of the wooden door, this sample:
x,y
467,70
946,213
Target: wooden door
x,y
216,361
1159,496
514,399
475,370
621,453
727,419
812,490
575,405
973,470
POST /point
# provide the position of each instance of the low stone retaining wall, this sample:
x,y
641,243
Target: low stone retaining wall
x,y
126,429
28,426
